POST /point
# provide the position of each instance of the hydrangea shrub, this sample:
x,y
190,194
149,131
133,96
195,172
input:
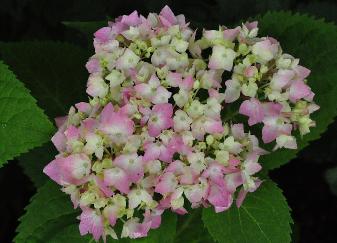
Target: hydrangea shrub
x,y
177,119
154,135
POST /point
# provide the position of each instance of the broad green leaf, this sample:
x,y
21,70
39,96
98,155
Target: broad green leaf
x,y
70,234
190,228
86,27
23,125
35,160
53,71
324,9
164,234
263,217
314,42
50,217
46,207
56,76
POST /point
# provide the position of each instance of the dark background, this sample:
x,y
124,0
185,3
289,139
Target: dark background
x,y
303,180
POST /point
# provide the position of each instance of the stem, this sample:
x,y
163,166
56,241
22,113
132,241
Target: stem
x,y
195,93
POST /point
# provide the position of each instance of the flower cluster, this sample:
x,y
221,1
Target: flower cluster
x,y
156,134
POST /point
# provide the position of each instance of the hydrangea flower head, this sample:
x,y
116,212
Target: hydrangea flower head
x,y
155,135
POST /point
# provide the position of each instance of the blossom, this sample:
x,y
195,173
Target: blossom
x,y
167,183
153,91
91,222
132,164
96,86
181,121
118,178
232,92
138,196
222,58
298,90
158,132
128,60
160,119
115,124
133,229
158,150
274,127
265,50
253,109
69,170
219,198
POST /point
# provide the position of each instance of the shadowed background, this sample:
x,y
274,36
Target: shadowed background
x,y
308,182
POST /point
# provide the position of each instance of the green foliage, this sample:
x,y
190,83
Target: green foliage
x,y
86,27
164,234
23,125
50,217
191,229
53,71
263,217
70,234
35,160
55,74
314,42
49,212
320,151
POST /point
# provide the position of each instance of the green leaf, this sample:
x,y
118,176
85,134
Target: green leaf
x,y
314,42
23,125
56,75
263,217
49,212
190,228
50,217
70,234
164,234
86,27
53,71
35,160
